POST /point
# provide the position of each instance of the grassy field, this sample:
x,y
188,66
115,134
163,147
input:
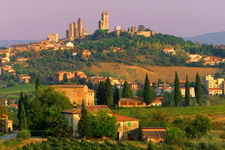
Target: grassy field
x,y
154,72
214,112
26,88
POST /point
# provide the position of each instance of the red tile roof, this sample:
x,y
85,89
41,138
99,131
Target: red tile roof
x,y
135,99
121,118
67,86
215,89
4,115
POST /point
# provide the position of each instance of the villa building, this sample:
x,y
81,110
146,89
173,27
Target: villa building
x,y
128,127
76,93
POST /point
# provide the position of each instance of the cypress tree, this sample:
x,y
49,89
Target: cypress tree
x,y
198,89
37,83
127,92
147,91
83,124
116,95
23,118
101,94
177,93
20,101
109,92
187,92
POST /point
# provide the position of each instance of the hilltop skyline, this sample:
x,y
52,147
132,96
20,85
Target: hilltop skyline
x,y
36,19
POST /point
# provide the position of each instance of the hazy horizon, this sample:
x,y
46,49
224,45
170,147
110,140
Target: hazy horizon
x,y
33,20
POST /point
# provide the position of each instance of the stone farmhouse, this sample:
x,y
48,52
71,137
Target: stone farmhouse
x,y
169,51
76,93
61,75
6,124
128,127
139,102
192,91
86,54
214,86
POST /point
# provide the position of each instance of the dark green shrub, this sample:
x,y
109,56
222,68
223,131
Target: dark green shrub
x,y
222,136
24,134
1,133
37,132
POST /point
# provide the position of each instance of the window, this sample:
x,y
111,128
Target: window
x,y
71,121
129,124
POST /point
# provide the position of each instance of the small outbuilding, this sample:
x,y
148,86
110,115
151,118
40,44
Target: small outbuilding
x,y
153,134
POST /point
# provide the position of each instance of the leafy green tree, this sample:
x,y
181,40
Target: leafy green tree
x,y
60,127
147,91
116,95
198,127
65,79
84,128
2,109
174,136
23,118
127,92
198,89
45,106
187,92
109,92
107,125
101,94
177,92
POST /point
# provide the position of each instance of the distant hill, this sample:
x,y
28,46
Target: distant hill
x,y
209,38
7,43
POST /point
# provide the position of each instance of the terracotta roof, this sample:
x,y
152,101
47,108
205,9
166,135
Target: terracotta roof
x,y
131,99
89,108
4,115
215,89
154,132
121,118
90,90
13,105
67,86
153,128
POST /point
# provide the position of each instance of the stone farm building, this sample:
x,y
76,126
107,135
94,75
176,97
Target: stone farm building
x,y
61,75
153,134
6,124
139,102
128,127
76,93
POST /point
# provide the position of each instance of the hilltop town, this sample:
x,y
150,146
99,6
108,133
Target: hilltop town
x,y
104,86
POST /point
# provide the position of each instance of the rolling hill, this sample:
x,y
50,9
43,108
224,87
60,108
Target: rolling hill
x,y
7,43
209,38
155,72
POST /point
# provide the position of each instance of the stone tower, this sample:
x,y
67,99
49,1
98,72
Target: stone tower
x,y
104,22
71,31
76,30
80,27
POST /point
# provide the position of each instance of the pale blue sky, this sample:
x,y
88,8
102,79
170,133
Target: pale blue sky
x,y
34,19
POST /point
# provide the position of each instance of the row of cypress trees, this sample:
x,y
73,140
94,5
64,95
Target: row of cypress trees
x,y
177,92
106,95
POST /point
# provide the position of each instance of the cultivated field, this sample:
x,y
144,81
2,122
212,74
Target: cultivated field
x,y
154,72
215,112
25,88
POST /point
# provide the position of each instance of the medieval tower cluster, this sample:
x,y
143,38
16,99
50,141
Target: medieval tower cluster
x,y
104,22
76,30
